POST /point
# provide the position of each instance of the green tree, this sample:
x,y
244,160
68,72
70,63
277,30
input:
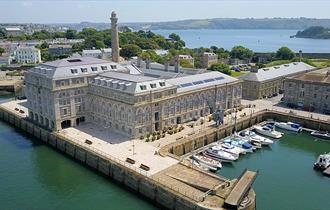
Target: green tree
x,y
174,37
1,51
130,50
241,52
2,33
186,64
284,53
220,67
71,34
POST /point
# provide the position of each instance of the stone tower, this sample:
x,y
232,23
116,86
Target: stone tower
x,y
114,37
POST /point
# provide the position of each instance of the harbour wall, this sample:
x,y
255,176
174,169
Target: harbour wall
x,y
117,170
185,146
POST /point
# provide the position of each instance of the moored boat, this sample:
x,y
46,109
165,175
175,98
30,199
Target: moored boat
x,y
267,131
323,162
321,134
253,137
207,161
290,126
226,148
219,155
247,147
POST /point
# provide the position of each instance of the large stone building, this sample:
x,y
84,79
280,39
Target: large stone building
x,y
209,58
267,82
121,97
60,50
309,91
104,53
27,55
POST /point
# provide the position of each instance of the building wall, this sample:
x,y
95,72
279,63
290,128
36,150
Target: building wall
x,y
310,96
208,60
28,55
134,116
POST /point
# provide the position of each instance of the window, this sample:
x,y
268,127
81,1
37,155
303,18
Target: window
x,y
94,68
302,85
162,84
143,87
65,111
153,85
113,66
104,68
74,71
315,95
83,70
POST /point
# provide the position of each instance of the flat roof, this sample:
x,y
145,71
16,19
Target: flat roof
x,y
127,77
75,62
319,76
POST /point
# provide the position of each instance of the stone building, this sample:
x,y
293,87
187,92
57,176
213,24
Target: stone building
x,y
179,58
123,99
27,55
60,49
268,82
209,58
309,91
56,91
104,53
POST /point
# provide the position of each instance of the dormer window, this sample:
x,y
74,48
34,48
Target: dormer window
x,y
74,71
94,68
113,66
104,68
162,84
153,85
83,70
143,87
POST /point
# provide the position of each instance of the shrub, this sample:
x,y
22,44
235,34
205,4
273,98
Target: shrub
x,y
153,138
141,137
158,137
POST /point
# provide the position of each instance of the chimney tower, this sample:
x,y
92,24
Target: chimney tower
x,y
114,37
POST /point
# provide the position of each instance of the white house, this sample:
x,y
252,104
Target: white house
x,y
27,55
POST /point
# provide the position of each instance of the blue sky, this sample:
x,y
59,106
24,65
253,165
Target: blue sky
x,y
61,11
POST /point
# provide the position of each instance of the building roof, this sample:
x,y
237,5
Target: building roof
x,y
12,29
198,81
127,77
59,46
277,71
319,76
91,51
76,67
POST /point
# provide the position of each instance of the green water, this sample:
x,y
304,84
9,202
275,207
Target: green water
x,y
34,176
286,177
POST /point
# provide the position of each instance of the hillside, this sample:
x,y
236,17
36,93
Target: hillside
x,y
232,23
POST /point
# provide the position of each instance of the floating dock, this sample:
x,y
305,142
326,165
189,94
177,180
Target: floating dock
x,y
326,172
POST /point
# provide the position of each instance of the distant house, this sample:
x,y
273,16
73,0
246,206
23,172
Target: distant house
x,y
27,55
188,58
59,50
13,31
209,58
102,53
161,52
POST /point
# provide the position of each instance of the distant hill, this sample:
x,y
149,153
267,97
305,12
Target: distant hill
x,y
232,23
314,32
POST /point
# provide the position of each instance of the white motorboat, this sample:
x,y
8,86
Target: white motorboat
x,y
290,126
200,166
323,162
267,131
227,148
256,138
207,161
237,150
247,147
219,155
321,134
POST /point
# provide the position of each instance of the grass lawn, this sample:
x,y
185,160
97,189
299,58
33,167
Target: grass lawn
x,y
277,63
320,63
237,74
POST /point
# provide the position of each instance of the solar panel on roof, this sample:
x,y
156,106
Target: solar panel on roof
x,y
209,80
219,78
186,85
198,82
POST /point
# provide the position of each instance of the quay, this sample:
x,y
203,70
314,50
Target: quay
x,y
177,186
11,85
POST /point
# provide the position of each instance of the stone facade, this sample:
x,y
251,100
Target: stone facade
x,y
268,82
310,91
208,59
114,37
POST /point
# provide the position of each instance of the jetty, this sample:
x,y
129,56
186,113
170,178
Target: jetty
x,y
11,85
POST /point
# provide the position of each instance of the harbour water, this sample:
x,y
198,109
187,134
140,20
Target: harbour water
x,y
257,40
34,176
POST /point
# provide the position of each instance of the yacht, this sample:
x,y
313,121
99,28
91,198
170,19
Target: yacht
x,y
219,155
253,137
290,126
207,161
321,134
227,148
267,131
247,147
323,162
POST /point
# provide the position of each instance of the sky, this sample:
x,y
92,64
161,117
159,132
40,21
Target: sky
x,y
74,11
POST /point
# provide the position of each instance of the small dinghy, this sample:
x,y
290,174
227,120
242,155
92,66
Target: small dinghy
x,y
321,134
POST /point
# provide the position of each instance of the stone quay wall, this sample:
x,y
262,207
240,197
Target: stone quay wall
x,y
117,170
